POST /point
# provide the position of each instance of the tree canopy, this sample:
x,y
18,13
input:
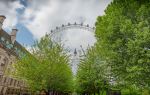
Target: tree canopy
x,y
121,55
47,68
123,39
93,74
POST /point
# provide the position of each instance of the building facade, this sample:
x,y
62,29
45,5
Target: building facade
x,y
10,51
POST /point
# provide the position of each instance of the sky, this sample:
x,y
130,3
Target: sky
x,y
35,18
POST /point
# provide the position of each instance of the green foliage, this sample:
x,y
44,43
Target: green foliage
x,y
122,52
131,90
92,75
123,40
47,68
146,92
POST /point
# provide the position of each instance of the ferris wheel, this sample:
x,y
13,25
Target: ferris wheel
x,y
72,26
57,33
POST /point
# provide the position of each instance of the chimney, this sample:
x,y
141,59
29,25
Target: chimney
x,y
2,18
13,35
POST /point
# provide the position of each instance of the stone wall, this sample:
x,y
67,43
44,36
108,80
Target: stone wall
x,y
10,51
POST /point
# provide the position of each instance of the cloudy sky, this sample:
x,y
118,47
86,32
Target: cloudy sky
x,y
34,18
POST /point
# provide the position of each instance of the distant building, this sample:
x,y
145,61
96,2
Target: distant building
x,y
75,58
10,50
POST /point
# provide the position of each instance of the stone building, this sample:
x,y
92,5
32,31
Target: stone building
x,y
10,50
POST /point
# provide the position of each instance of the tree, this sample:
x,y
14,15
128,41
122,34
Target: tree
x,y
93,74
46,68
123,40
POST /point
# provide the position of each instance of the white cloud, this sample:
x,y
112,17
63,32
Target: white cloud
x,y
43,15
8,8
41,21
40,16
57,12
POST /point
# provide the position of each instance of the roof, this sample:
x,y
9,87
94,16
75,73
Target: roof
x,y
2,16
12,47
